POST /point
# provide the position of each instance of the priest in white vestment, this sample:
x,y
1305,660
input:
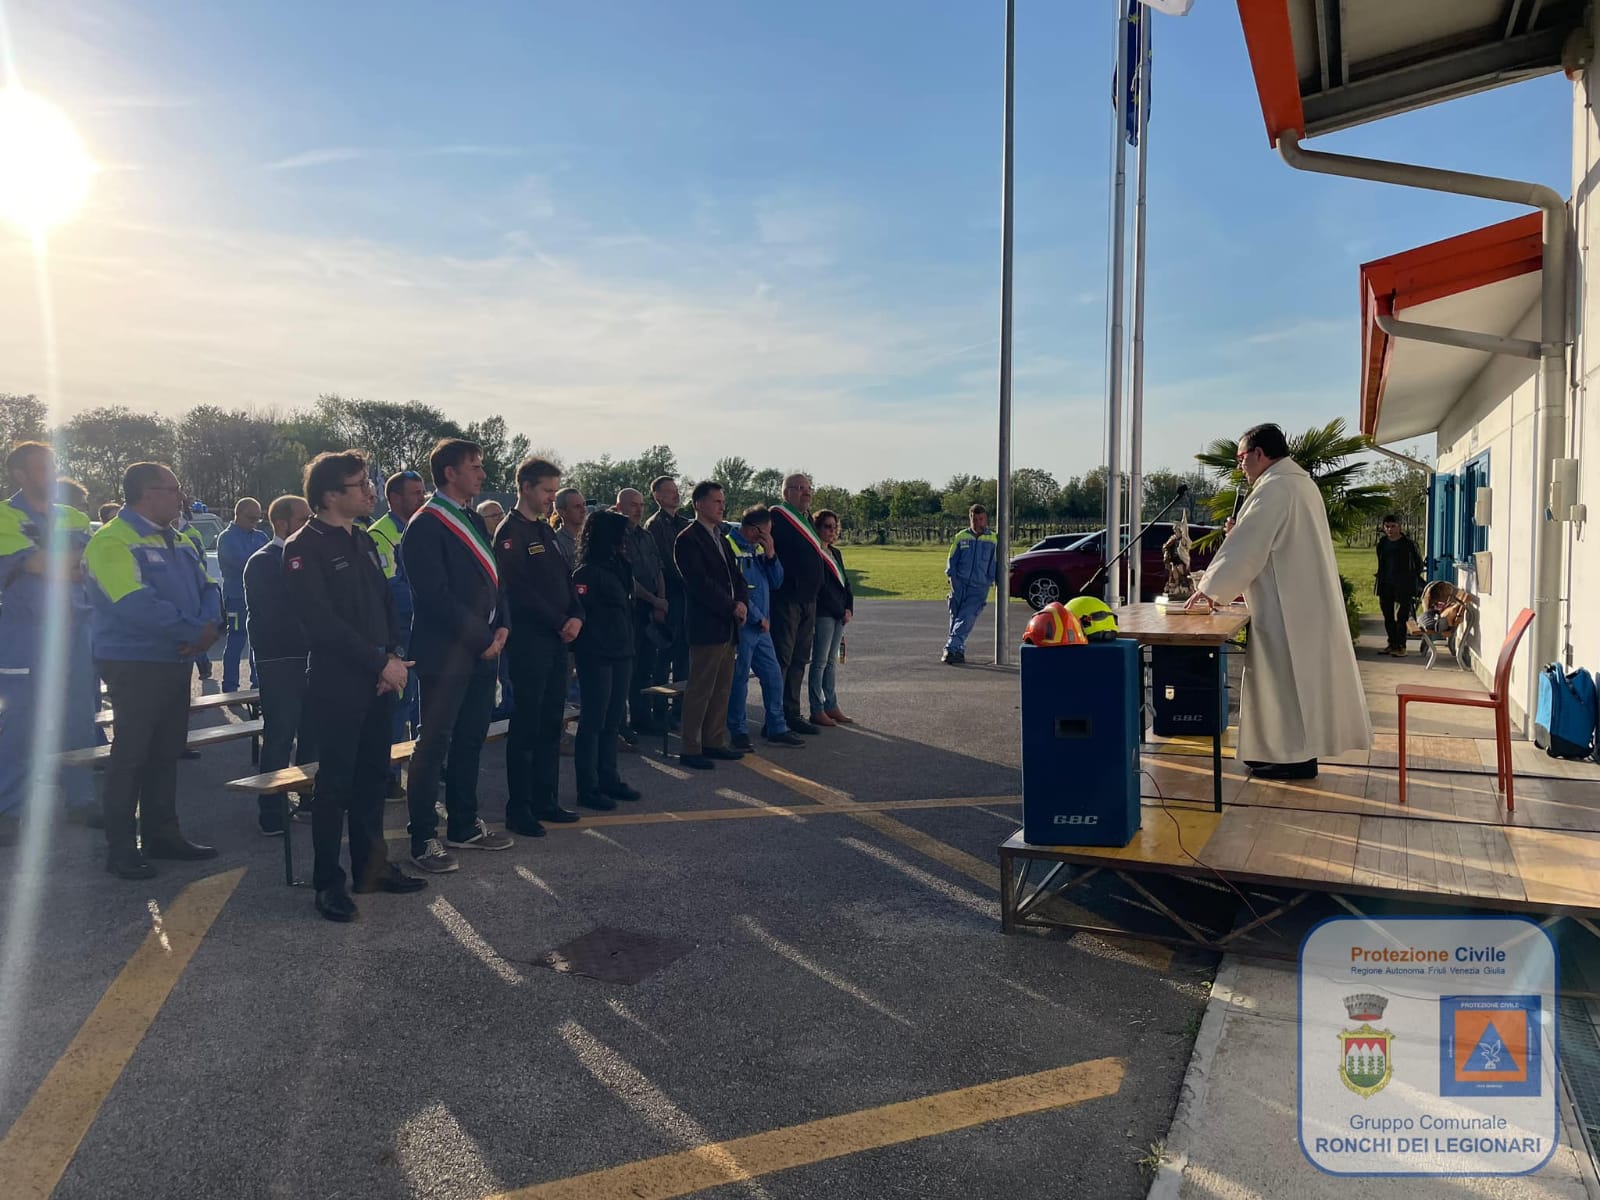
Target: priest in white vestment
x,y
1302,692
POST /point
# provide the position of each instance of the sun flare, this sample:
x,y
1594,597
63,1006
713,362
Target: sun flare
x,y
44,170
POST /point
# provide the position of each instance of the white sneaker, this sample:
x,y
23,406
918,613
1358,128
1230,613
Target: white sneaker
x,y
435,859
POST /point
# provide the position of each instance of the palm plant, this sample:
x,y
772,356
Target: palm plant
x,y
1327,454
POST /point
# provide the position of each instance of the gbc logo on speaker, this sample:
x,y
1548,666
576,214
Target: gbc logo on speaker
x,y
1077,819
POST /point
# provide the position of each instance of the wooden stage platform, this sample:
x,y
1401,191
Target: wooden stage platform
x,y
1343,834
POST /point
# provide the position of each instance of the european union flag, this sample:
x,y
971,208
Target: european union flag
x,y
1135,34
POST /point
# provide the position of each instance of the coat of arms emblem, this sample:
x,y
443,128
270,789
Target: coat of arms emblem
x,y
1365,1064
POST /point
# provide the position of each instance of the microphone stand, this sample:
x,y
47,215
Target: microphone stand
x,y
1183,490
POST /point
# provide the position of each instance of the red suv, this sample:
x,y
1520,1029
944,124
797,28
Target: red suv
x,y
1059,567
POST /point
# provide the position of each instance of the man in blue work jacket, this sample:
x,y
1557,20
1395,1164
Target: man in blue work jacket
x,y
973,568
404,494
40,539
242,538
758,563
155,611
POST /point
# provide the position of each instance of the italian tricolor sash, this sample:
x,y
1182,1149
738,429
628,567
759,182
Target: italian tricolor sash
x,y
457,523
802,526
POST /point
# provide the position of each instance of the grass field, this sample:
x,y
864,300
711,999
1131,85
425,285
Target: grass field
x,y
917,572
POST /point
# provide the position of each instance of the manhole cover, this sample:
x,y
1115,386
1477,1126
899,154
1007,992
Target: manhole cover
x,y
615,955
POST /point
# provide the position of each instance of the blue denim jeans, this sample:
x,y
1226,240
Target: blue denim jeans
x,y
756,652
824,660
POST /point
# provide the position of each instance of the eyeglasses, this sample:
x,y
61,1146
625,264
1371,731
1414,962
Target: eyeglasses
x,y
1239,458
163,487
366,485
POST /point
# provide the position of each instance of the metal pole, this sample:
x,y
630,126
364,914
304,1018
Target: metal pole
x,y
1136,380
1119,214
1002,645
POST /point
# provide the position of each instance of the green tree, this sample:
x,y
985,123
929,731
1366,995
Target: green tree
x,y
736,476
1408,489
1328,454
835,499
22,419
1032,493
395,436
223,455
98,446
767,484
501,452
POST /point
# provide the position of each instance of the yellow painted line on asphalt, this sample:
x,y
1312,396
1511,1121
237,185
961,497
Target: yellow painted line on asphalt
x,y
46,1135
763,1154
691,815
868,813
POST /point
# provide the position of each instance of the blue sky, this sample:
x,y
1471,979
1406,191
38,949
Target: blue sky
x,y
748,228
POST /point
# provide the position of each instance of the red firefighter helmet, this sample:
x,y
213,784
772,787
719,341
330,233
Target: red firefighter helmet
x,y
1053,625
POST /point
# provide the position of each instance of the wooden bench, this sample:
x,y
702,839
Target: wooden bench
x,y
248,698
673,693
214,735
299,778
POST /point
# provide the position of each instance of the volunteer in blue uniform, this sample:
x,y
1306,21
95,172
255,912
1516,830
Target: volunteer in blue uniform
x,y
337,586
404,493
242,538
155,611
278,642
28,521
758,563
973,568
186,529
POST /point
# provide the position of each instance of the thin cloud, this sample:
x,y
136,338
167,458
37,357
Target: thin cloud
x,y
326,155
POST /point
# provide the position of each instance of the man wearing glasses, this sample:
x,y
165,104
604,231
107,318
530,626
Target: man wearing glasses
x,y
355,671
405,493
1302,694
155,611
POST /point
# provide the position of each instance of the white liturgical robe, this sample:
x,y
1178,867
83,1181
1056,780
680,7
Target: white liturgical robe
x,y
1302,691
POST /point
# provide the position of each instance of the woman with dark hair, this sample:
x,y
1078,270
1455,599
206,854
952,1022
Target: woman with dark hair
x,y
835,602
604,650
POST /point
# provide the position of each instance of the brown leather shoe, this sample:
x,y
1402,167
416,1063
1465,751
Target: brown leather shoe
x,y
838,718
822,719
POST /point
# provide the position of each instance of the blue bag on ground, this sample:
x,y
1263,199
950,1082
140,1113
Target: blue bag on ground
x,y
1564,721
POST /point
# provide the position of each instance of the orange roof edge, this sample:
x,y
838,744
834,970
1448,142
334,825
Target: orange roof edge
x,y
1270,43
1432,272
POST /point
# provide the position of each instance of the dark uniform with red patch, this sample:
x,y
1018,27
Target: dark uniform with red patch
x,y
336,583
540,594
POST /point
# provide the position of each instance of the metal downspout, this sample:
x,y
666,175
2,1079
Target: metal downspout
x,y
1550,414
1465,339
1416,464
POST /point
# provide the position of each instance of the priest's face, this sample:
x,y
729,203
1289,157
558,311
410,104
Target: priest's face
x,y
1251,462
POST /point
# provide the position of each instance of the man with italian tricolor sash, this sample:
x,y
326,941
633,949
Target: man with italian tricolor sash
x,y
794,604
459,627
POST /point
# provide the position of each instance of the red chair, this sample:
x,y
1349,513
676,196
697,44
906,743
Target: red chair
x,y
1496,699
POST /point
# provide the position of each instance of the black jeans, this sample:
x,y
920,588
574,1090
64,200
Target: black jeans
x,y
604,684
353,725
678,625
1397,608
793,629
151,702
456,709
533,751
647,712
286,723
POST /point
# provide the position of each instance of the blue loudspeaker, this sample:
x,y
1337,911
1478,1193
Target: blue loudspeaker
x,y
1080,744
1186,691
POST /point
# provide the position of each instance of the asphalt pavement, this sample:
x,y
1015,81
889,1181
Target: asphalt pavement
x,y
674,977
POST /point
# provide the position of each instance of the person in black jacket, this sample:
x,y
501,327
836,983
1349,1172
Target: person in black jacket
x,y
280,648
1399,582
794,603
604,649
336,584
458,629
716,594
665,524
545,619
835,607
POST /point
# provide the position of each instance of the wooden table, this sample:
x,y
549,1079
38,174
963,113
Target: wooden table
x,y
1170,625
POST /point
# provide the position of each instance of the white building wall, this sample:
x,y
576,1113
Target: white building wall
x,y
1583,540
1495,414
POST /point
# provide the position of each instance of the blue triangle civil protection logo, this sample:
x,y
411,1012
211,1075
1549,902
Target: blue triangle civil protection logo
x,y
1491,1054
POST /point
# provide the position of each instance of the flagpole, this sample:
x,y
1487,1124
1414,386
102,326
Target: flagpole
x,y
1119,207
1002,646
1136,380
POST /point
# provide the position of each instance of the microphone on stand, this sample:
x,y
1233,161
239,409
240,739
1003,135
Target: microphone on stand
x,y
1183,490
